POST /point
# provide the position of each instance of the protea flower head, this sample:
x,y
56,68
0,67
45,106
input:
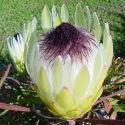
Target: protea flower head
x,y
67,63
16,45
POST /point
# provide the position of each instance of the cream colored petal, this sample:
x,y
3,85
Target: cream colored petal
x,y
15,58
86,104
97,95
57,74
106,36
35,61
87,110
67,78
86,95
33,24
42,97
97,27
21,46
22,42
11,52
79,17
100,81
57,109
89,19
16,47
43,83
81,83
32,43
25,56
64,14
54,13
19,65
28,30
52,111
74,113
57,21
24,34
46,19
65,99
97,69
103,54
109,53
30,54
65,117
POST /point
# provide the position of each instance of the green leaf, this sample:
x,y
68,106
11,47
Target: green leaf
x,y
4,112
119,108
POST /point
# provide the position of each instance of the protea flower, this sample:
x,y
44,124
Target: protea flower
x,y
16,45
67,63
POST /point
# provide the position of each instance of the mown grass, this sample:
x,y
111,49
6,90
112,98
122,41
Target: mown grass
x,y
14,13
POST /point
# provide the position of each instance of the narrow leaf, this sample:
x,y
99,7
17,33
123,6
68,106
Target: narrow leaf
x,y
109,109
14,107
109,96
4,112
5,75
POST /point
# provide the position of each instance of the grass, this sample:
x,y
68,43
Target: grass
x,y
14,13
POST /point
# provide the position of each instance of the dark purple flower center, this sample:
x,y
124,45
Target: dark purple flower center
x,y
65,40
16,35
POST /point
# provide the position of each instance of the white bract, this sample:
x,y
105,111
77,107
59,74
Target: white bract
x,y
16,45
68,74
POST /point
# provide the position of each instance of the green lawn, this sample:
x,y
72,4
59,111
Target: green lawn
x,y
14,13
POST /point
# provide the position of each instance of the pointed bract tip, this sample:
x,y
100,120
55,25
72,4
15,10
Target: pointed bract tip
x,y
63,5
95,14
54,6
66,88
43,67
78,5
91,96
34,18
107,25
87,7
